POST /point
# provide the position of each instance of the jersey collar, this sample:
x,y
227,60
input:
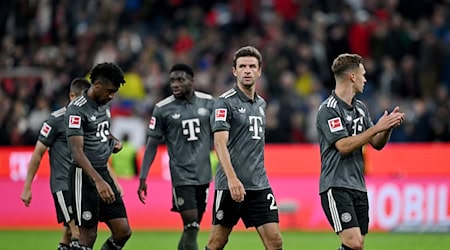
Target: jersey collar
x,y
91,102
342,103
243,97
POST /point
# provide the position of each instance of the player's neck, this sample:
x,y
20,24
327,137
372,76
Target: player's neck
x,y
248,91
345,93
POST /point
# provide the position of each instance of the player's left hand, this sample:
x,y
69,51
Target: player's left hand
x,y
117,146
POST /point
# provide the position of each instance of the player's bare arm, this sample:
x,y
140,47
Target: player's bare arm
x,y
33,167
104,190
149,156
234,184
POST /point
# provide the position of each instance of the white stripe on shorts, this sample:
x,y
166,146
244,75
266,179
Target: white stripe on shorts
x,y
62,205
218,198
78,186
334,212
174,194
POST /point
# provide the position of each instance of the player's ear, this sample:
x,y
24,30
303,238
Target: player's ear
x,y
234,71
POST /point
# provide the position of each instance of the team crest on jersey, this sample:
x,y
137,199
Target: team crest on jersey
x,y
221,115
45,130
261,110
74,121
152,123
335,124
108,113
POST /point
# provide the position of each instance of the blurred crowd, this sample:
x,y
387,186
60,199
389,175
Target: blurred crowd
x,y
405,43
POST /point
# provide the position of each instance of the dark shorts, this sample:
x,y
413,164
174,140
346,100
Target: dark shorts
x,y
63,205
346,208
190,197
258,208
89,209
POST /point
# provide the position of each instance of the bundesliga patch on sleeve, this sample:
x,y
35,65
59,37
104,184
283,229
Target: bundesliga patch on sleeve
x,y
74,121
221,115
335,124
45,130
152,123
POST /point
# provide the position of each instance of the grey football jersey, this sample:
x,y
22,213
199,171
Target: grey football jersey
x,y
245,121
336,120
185,126
84,117
53,135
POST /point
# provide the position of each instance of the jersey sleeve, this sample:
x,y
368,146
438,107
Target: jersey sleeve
x,y
221,116
74,120
156,124
48,132
331,124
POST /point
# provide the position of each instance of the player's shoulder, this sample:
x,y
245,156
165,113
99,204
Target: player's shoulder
x,y
360,103
228,94
78,102
58,113
165,101
330,103
203,95
260,99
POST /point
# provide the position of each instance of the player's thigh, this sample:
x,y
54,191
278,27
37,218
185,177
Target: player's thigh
x,y
337,203
189,197
362,211
86,200
259,208
226,212
114,210
63,206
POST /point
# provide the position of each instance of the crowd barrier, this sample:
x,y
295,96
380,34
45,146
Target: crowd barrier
x,y
408,187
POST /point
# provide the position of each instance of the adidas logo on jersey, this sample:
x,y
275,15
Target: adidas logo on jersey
x,y
176,116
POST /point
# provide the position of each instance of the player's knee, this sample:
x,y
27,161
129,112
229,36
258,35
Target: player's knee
x,y
355,243
123,235
216,243
275,242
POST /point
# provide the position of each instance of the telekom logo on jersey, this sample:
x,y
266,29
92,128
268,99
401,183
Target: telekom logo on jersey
x,y
255,126
191,127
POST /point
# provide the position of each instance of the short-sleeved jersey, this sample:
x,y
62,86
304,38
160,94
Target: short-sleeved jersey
x,y
245,120
53,135
185,127
335,120
84,117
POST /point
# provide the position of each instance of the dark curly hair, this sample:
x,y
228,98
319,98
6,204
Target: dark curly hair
x,y
108,71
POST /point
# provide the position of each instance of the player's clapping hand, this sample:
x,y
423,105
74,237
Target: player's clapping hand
x,y
400,116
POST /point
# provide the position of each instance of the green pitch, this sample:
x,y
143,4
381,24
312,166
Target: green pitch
x,y
248,240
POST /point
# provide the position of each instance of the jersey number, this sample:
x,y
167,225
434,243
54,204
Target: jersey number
x,y
273,205
103,131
